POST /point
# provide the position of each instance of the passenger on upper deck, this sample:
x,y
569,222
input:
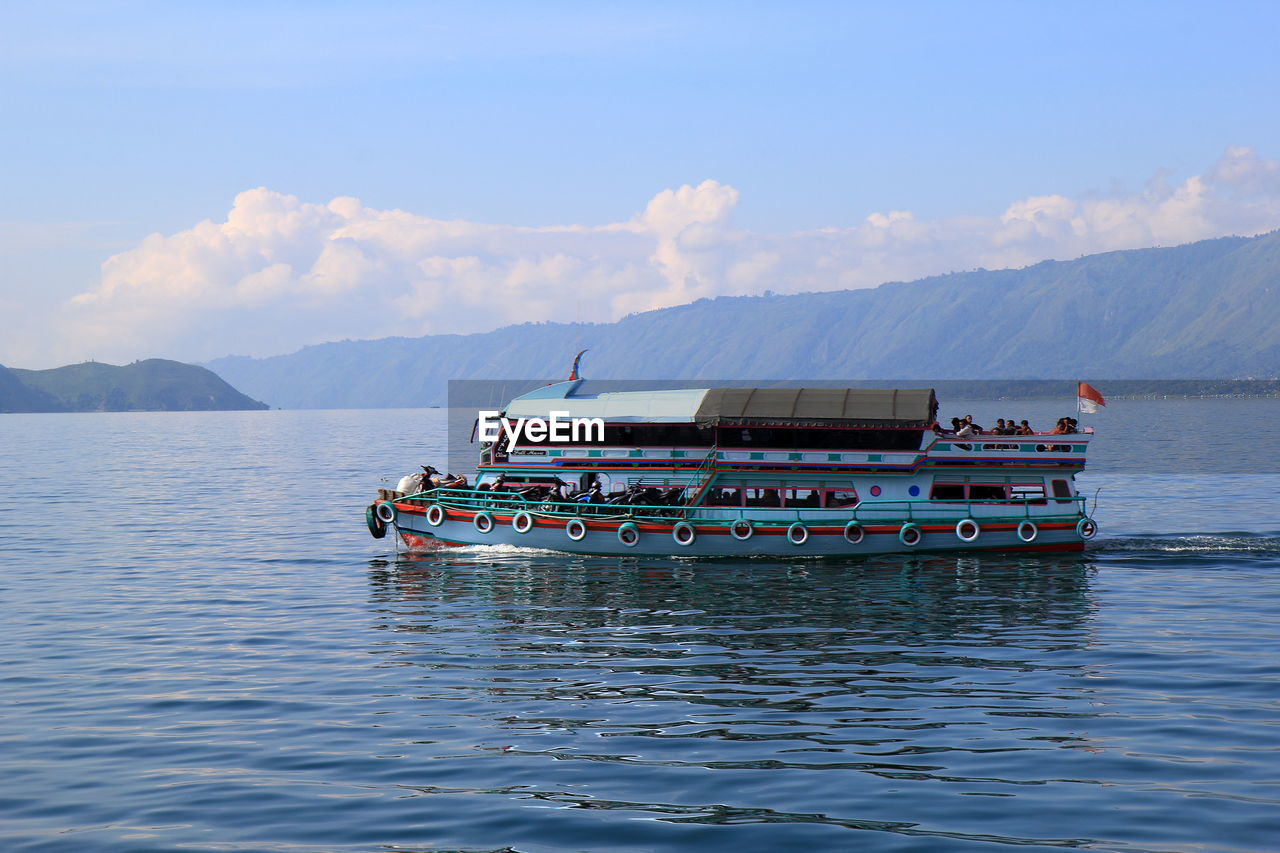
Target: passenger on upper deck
x,y
1065,426
1024,428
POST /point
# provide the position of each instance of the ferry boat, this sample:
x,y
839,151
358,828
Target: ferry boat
x,y
736,472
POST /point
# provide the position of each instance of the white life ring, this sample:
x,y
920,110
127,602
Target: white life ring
x,y
386,511
797,534
683,533
482,522
741,530
522,522
629,534
435,515
909,534
1087,528
854,533
575,529
967,530
1027,531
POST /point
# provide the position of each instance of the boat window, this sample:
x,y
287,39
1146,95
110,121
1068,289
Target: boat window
x,y
1029,493
842,497
803,497
724,497
947,492
763,497
982,492
1061,489
753,437
817,438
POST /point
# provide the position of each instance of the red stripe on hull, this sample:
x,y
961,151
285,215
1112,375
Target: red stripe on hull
x,y
779,529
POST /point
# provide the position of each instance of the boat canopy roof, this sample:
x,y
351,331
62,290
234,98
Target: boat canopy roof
x,y
824,406
851,407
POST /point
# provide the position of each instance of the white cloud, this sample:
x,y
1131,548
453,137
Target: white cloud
x,y
280,272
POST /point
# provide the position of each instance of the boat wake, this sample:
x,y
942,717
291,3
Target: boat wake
x,y
1254,544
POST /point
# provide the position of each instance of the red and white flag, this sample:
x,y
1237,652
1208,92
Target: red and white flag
x,y
1088,399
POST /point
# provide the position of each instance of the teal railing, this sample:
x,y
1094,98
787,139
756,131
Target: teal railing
x,y
867,511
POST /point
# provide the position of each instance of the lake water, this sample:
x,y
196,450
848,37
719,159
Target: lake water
x,y
203,649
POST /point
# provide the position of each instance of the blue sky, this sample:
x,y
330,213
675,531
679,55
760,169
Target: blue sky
x,y
130,119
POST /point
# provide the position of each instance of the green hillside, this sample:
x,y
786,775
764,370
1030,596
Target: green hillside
x,y
18,397
151,385
1205,310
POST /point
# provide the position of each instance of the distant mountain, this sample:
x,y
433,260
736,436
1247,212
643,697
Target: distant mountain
x,y
17,397
1203,310
151,385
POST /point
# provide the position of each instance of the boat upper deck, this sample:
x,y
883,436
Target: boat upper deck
x,y
1036,451
765,430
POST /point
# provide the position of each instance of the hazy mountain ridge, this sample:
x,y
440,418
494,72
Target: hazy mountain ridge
x,y
15,396
1202,310
150,385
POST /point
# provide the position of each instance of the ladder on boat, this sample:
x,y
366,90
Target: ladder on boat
x,y
703,476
